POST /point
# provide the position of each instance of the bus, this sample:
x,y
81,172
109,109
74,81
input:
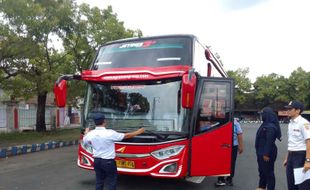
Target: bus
x,y
177,89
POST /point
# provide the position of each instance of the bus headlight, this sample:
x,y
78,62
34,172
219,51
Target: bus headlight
x,y
167,152
87,147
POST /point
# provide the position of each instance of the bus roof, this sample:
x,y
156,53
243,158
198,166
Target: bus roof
x,y
212,56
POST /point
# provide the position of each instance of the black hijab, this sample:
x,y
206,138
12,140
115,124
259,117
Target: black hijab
x,y
270,119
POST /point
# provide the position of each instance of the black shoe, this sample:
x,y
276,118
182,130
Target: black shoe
x,y
229,183
220,183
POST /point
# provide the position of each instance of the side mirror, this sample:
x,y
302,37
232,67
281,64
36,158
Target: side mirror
x,y
60,91
188,90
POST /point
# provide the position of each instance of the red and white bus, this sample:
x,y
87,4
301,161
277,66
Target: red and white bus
x,y
176,89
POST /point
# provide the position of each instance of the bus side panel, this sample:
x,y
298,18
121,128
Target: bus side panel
x,y
211,152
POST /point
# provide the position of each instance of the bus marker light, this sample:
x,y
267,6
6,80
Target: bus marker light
x,y
169,168
85,161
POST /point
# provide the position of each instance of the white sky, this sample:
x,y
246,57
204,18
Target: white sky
x,y
268,36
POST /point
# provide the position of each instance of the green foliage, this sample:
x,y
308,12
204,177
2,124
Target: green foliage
x,y
299,85
19,87
271,90
242,85
30,62
92,27
26,48
29,27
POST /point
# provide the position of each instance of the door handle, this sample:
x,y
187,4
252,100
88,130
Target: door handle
x,y
225,145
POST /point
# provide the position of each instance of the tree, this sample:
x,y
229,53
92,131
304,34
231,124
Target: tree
x,y
299,85
29,28
271,90
242,85
13,53
30,62
92,27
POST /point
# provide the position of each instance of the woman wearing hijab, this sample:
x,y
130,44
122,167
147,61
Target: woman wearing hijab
x,y
266,149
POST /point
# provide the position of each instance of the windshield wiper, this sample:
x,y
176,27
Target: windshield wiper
x,y
162,137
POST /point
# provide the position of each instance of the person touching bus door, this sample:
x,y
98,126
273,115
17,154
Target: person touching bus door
x,y
102,141
298,155
266,149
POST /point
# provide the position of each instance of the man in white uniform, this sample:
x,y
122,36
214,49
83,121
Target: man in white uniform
x,y
102,141
298,145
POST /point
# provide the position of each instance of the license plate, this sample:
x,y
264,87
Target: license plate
x,y
125,164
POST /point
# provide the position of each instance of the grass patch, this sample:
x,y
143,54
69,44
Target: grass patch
x,y
31,137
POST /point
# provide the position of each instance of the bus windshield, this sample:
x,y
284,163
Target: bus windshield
x,y
154,52
156,106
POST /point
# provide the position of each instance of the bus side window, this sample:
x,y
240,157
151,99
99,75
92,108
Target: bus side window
x,y
205,124
214,106
205,121
220,109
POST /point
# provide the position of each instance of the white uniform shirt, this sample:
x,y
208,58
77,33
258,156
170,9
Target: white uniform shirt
x,y
102,141
298,132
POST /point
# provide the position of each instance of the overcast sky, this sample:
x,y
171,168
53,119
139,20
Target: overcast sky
x,y
268,36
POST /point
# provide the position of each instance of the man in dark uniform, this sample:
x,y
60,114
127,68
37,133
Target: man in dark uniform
x,y
298,155
102,141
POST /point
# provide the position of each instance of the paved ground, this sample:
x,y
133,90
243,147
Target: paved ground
x,y
56,170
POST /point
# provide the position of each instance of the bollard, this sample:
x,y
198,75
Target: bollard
x,y
50,145
14,151
33,148
42,146
2,153
24,149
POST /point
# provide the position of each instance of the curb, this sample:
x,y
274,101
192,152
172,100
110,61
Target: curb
x,y
30,148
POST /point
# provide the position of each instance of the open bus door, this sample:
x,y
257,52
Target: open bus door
x,y
211,143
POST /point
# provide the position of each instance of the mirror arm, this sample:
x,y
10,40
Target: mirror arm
x,y
190,73
68,77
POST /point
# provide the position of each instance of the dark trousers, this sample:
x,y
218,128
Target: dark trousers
x,y
233,164
295,159
106,170
266,171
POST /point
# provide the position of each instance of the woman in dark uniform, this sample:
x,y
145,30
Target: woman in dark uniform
x,y
266,149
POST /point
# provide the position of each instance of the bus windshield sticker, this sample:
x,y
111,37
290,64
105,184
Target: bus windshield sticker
x,y
128,87
138,44
169,59
103,63
136,47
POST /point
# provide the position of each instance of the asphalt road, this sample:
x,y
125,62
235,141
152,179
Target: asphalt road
x,y
56,170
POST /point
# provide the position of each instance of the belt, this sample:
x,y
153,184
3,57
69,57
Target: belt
x,y
103,159
296,152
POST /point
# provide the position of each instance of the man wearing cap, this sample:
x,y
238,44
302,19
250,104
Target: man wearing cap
x,y
298,145
102,141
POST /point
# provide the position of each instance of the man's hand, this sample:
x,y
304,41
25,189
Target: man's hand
x,y
266,158
240,149
285,162
306,166
141,130
135,133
